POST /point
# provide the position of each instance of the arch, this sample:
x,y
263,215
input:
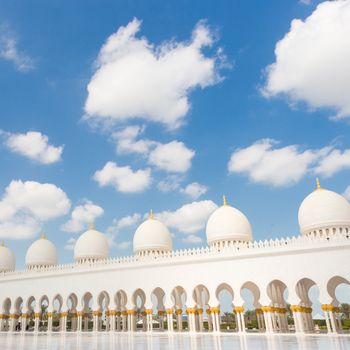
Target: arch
x,y
103,307
72,304
158,298
303,290
87,305
30,306
224,295
18,304
120,300
43,308
179,298
56,306
138,300
332,285
201,298
280,316
250,293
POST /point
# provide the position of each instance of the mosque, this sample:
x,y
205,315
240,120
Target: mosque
x,y
161,289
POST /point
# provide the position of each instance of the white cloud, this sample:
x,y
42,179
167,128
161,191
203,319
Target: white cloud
x,y
124,222
172,157
346,193
9,50
81,216
126,141
194,190
312,60
170,183
334,162
192,239
136,79
263,163
70,244
123,245
189,218
33,145
123,178
26,205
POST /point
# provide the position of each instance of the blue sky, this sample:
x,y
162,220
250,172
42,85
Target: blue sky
x,y
219,102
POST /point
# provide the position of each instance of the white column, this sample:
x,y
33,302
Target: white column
x,y
36,321
49,321
24,319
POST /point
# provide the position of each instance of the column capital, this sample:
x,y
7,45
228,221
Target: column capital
x,y
149,312
214,310
14,316
267,309
64,314
178,311
199,311
328,307
96,313
131,312
169,311
25,315
37,314
238,309
190,310
80,313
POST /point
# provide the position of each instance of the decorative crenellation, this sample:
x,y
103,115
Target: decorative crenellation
x,y
318,239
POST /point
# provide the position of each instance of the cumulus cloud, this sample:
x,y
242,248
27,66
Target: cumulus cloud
x,y
126,141
9,50
192,239
312,60
194,190
189,218
81,216
70,244
33,145
123,178
170,183
262,162
26,205
335,161
172,157
124,222
136,79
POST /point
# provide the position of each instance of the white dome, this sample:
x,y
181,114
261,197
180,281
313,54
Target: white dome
x,y
152,235
7,259
323,209
42,252
228,224
91,245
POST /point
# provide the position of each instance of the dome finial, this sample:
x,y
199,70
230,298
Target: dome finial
x,y
43,235
151,216
318,184
224,200
92,226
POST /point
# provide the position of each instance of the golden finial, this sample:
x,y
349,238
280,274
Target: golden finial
x,y
224,200
151,214
43,236
92,226
318,185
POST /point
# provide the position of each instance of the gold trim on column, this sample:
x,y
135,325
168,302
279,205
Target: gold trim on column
x,y
37,314
169,311
97,313
238,309
131,312
215,310
64,314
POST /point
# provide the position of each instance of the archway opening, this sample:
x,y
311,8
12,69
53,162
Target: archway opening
x,y
252,312
224,295
179,297
159,315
